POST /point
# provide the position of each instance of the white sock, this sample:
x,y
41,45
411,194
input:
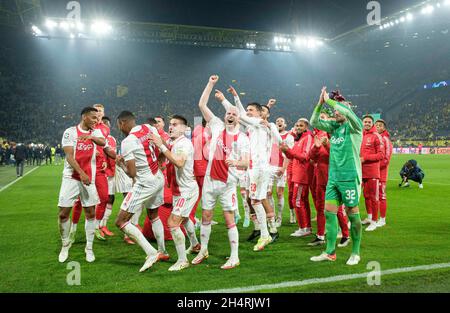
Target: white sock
x,y
158,231
179,241
107,215
97,223
233,237
369,216
280,207
64,230
271,201
89,227
73,228
135,218
255,222
205,232
134,233
272,224
190,230
261,216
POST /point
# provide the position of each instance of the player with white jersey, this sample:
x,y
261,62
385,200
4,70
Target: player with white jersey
x,y
180,176
260,132
79,144
229,149
278,168
140,161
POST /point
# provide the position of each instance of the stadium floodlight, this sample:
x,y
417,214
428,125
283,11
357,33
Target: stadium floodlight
x,y
402,19
250,45
409,17
397,21
447,2
36,30
101,27
381,27
275,39
64,25
438,4
391,23
80,26
72,36
50,24
428,9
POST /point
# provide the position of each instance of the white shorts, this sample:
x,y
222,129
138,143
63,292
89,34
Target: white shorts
x,y
215,190
183,205
72,189
259,183
244,180
124,183
148,194
276,180
111,185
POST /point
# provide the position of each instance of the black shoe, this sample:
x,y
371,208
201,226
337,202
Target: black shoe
x,y
255,234
316,242
344,242
274,236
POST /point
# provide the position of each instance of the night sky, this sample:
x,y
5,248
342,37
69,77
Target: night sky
x,y
324,18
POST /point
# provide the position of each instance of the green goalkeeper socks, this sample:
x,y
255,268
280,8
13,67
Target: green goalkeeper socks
x,y
332,230
355,232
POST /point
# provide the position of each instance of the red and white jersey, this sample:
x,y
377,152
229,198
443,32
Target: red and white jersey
x,y
112,144
101,156
260,141
277,156
182,180
137,146
83,151
225,146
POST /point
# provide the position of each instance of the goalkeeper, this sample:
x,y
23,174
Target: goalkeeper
x,y
344,175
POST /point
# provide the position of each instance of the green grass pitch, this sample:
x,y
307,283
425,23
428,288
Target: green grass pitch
x,y
417,233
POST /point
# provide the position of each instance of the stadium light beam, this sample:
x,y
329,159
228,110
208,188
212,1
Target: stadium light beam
x,y
101,27
447,3
428,9
64,25
50,24
36,30
409,17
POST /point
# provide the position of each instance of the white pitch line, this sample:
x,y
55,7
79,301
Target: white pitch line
x,y
17,179
330,279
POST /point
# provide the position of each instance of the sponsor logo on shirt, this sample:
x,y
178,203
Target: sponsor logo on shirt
x,y
337,141
84,147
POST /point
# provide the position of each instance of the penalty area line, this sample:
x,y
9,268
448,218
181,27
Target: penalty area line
x,y
330,279
19,178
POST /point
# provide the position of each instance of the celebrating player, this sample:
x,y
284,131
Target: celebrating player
x,y
180,174
79,144
344,174
140,161
229,149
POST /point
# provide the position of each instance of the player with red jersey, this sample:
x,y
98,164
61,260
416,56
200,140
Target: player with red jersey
x,y
384,168
79,144
372,152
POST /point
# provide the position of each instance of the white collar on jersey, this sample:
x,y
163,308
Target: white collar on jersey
x,y
82,130
178,139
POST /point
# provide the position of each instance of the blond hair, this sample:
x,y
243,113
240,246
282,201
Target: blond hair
x,y
98,105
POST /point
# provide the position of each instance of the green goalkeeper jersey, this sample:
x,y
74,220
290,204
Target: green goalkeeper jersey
x,y
346,138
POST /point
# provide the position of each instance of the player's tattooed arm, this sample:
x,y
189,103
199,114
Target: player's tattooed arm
x,y
206,112
99,141
68,150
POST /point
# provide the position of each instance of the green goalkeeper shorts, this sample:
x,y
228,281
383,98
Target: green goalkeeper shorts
x,y
343,192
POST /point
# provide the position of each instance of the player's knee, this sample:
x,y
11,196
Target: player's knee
x,y
63,215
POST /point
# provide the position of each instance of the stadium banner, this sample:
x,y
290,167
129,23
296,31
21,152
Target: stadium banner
x,y
425,150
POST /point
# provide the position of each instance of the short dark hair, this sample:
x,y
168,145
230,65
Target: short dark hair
x,y
152,121
87,110
381,121
368,116
105,118
126,116
180,118
256,105
266,106
159,116
204,122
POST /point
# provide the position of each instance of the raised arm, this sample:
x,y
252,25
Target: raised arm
x,y
206,112
356,124
237,101
316,121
